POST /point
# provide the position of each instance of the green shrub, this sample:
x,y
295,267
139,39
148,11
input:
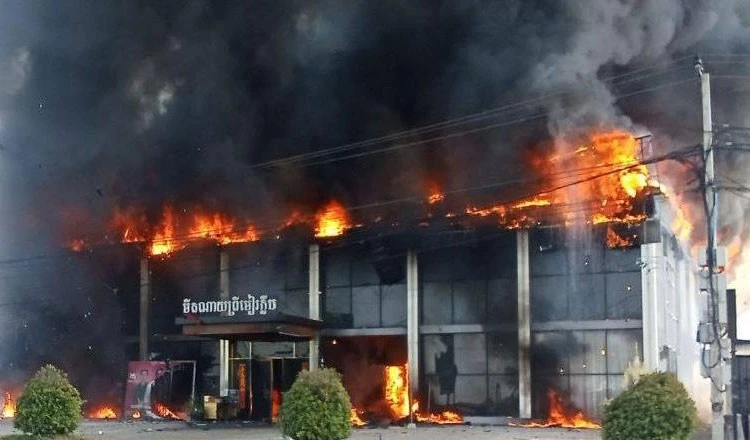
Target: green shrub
x,y
49,405
317,407
657,407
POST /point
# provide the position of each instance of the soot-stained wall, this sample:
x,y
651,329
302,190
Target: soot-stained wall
x,y
469,323
363,287
586,311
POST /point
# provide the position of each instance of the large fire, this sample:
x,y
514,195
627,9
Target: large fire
x,y
173,232
396,396
104,412
561,417
593,179
9,407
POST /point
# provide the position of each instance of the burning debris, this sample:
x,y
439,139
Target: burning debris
x,y
164,412
9,407
396,396
355,418
562,416
104,412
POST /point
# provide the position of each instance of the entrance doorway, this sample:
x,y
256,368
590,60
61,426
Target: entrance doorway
x,y
257,382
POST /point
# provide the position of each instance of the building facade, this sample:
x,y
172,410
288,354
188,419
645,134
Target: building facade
x,y
486,322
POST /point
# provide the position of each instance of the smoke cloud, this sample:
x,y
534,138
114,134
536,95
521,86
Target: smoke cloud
x,y
106,104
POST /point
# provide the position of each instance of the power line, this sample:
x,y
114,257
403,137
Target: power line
x,y
675,155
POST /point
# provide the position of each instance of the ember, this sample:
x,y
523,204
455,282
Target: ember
x,y
136,414
77,245
434,194
560,417
9,407
103,413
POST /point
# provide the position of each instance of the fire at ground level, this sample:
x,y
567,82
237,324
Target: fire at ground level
x,y
182,431
587,302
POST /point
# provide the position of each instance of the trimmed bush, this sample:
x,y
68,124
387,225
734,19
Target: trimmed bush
x,y
49,405
657,407
316,407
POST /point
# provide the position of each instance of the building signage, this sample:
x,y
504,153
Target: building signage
x,y
252,305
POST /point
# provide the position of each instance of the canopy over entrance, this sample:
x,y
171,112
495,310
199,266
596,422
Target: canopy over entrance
x,y
279,327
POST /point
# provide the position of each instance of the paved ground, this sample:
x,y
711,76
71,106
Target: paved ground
x,y
178,430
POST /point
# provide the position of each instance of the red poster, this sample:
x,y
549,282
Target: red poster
x,y
141,378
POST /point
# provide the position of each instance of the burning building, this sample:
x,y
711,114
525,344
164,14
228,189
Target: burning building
x,y
440,317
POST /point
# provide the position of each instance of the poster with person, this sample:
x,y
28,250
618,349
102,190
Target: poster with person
x,y
141,378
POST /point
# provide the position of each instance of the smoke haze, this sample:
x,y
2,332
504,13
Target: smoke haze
x,y
114,104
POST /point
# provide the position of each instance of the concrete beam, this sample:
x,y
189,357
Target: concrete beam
x,y
224,343
524,324
314,301
412,319
143,312
651,269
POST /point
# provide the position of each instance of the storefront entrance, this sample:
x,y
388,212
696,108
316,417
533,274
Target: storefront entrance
x,y
256,382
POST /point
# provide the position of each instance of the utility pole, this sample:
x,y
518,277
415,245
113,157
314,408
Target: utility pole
x,y
714,330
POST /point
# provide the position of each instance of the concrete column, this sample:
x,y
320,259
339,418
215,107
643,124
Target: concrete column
x,y
650,261
523,287
224,343
145,301
412,319
314,301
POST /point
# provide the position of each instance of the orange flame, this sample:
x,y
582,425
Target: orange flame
x,y
397,390
77,245
397,398
103,412
536,201
275,404
164,242
161,410
607,176
434,195
332,221
136,414
355,419
9,407
446,417
221,229
561,418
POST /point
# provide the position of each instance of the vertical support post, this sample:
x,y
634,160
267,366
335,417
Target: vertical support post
x,y
145,300
314,302
223,343
523,287
412,323
650,274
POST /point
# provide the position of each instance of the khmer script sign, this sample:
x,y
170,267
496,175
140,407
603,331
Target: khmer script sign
x,y
252,305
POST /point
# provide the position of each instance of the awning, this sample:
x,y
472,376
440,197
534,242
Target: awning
x,y
280,327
